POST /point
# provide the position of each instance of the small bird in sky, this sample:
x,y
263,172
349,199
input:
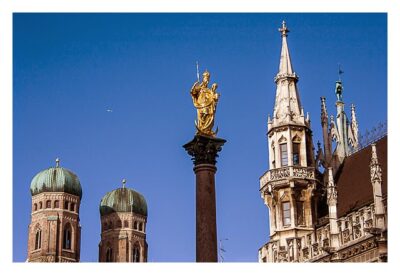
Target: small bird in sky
x,y
109,110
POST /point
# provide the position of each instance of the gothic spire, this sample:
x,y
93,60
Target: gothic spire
x,y
287,101
285,66
354,128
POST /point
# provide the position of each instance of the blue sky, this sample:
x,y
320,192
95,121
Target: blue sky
x,y
68,69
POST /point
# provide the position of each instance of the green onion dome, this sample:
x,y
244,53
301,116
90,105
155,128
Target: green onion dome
x,y
123,200
56,179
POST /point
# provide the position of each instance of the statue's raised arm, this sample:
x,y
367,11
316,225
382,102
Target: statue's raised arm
x,y
205,101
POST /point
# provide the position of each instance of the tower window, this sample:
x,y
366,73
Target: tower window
x,y
35,207
284,154
140,226
296,153
67,237
300,212
56,204
286,213
72,206
119,224
38,239
40,205
136,253
273,157
135,225
66,205
110,226
48,204
109,255
126,224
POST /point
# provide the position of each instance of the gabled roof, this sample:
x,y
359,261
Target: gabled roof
x,y
353,179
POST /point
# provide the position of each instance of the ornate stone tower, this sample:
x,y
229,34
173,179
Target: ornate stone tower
x,y
123,214
54,231
290,187
343,132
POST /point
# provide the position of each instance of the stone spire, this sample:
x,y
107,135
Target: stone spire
x,y
342,146
327,139
287,107
376,180
285,66
332,208
354,128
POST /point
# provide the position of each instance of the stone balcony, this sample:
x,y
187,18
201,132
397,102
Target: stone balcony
x,y
288,172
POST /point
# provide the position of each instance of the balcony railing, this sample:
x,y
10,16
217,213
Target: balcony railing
x,y
287,172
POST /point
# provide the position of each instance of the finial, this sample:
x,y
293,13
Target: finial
x,y
284,30
57,162
123,183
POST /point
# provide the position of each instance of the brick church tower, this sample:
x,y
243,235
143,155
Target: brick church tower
x,y
54,231
123,213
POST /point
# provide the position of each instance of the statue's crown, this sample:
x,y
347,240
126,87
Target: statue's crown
x,y
206,73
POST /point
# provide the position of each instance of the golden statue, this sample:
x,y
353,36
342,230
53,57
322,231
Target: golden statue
x,y
205,100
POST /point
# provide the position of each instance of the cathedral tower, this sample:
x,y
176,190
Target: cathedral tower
x,y
123,214
54,231
289,187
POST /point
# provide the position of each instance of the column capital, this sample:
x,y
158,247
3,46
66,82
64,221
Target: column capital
x,y
204,149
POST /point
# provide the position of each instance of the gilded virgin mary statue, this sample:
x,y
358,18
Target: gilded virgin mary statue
x,y
205,101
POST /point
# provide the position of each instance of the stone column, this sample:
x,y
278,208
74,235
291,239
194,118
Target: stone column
x,y
203,150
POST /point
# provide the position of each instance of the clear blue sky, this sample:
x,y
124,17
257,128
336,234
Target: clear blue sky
x,y
70,68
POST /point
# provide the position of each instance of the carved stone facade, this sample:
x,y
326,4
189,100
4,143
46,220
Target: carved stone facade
x,y
336,214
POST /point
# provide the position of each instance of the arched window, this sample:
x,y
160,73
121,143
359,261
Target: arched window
x,y
109,255
140,226
119,224
35,207
126,224
38,239
136,253
40,205
284,154
66,205
72,206
135,225
67,241
48,204
56,204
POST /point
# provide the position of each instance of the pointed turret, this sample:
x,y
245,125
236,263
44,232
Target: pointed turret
x,y
376,180
332,208
287,107
353,139
327,139
290,186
